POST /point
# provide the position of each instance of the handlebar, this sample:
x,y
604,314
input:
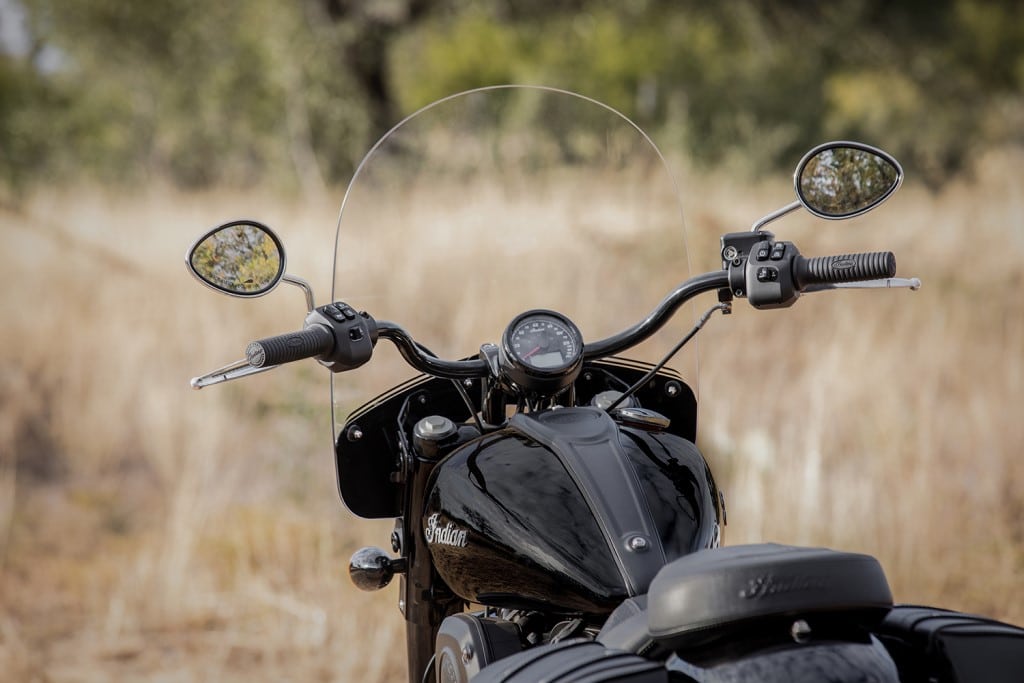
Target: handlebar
x,y
772,281
473,367
657,318
415,356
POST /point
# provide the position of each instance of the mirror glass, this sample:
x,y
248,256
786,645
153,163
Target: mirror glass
x,y
841,180
243,258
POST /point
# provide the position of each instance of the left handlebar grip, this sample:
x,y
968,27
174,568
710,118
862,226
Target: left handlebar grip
x,y
315,340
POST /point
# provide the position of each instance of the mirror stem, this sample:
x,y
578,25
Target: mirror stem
x,y
304,286
775,215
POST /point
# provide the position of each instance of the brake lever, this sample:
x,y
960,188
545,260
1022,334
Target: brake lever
x,y
912,283
236,370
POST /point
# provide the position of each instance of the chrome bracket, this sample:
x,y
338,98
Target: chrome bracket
x,y
774,216
304,286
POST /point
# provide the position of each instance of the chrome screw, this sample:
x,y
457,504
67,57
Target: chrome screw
x,y
801,631
637,544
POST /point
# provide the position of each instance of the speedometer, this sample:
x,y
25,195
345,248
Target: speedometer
x,y
542,351
544,342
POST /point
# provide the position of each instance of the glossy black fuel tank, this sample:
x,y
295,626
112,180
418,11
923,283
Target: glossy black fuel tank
x,y
547,512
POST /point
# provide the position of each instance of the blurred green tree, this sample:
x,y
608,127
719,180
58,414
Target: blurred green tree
x,y
293,92
204,93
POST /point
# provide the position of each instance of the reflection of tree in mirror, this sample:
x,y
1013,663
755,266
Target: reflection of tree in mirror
x,y
242,259
844,180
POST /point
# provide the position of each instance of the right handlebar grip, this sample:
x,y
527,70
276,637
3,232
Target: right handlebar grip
x,y
821,270
315,340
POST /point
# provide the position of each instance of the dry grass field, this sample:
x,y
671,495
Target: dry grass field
x,y
150,532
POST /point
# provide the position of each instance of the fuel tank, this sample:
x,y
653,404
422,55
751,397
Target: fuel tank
x,y
567,511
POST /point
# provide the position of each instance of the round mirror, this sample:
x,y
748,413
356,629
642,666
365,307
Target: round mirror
x,y
242,258
845,179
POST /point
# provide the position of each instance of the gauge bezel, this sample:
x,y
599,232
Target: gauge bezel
x,y
531,379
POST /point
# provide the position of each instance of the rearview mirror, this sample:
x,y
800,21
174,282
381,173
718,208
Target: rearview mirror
x,y
845,179
242,258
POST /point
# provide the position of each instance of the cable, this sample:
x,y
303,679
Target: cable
x,y
724,307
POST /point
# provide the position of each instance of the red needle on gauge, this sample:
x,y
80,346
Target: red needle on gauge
x,y
535,350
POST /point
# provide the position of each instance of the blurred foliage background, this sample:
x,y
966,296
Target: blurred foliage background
x,y
292,92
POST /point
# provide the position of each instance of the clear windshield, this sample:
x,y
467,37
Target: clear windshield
x,y
495,201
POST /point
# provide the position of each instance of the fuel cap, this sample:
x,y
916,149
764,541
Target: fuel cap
x,y
430,434
434,428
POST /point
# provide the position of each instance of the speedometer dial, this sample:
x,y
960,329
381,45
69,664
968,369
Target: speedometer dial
x,y
544,342
542,351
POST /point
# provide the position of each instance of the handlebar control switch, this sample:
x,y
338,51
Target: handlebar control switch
x,y
739,249
769,275
355,335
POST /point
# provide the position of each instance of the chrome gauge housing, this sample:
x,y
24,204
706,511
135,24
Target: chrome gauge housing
x,y
541,352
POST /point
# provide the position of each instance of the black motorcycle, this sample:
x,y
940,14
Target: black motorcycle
x,y
554,520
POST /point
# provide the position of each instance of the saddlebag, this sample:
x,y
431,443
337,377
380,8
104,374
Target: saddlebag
x,y
815,662
939,646
573,661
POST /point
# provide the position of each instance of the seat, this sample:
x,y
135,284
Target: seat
x,y
711,592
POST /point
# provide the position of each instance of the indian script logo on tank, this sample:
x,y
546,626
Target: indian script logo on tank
x,y
448,534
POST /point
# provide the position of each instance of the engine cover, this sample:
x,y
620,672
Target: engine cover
x,y
467,643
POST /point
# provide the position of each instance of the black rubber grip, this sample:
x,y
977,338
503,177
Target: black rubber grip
x,y
315,340
822,270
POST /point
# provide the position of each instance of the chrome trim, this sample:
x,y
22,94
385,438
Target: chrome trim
x,y
913,284
776,215
641,418
236,370
304,286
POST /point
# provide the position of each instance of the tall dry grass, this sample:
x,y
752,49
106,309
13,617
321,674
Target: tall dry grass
x,y
150,532
889,422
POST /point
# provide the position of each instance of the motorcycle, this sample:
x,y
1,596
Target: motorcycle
x,y
554,520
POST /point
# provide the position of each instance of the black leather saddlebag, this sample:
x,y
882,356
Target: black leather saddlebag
x,y
938,646
817,662
573,661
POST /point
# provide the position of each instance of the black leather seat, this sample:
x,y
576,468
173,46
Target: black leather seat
x,y
711,593
714,589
